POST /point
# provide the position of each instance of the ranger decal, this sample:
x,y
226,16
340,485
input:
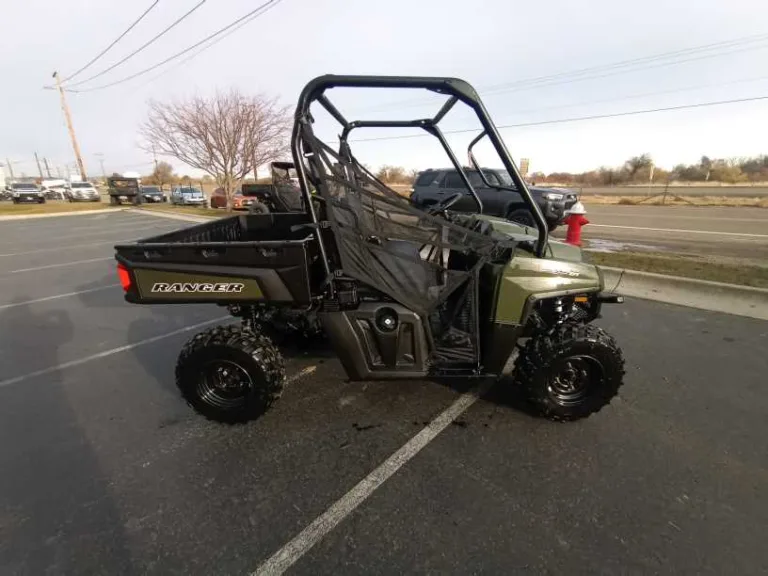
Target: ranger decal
x,y
205,287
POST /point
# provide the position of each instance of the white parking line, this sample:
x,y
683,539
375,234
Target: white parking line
x,y
680,230
79,361
111,232
88,245
57,296
326,522
58,248
61,265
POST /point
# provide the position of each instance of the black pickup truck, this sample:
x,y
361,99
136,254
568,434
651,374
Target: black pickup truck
x,y
434,185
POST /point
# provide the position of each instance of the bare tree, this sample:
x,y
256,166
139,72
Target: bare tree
x,y
226,136
161,175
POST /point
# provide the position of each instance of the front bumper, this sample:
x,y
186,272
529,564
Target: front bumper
x,y
554,210
89,198
153,199
243,204
31,198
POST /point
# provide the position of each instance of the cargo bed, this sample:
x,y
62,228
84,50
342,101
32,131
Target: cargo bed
x,y
237,259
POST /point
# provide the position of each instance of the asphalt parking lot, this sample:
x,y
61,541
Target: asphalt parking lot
x,y
106,471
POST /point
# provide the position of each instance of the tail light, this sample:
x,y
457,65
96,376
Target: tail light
x,y
125,277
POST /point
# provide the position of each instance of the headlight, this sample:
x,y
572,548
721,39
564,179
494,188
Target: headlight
x,y
553,196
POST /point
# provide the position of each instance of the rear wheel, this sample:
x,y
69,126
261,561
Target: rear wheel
x,y
258,208
230,374
570,372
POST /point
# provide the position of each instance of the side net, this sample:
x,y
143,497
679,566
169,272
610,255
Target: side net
x,y
417,259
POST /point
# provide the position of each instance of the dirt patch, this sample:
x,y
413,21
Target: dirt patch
x,y
701,268
677,201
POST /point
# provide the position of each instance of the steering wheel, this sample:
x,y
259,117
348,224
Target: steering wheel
x,y
444,204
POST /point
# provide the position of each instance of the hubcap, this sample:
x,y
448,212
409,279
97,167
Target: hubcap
x,y
224,384
573,379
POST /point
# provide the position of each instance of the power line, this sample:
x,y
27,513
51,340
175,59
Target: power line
x,y
641,95
100,54
615,72
188,49
631,62
151,41
574,119
614,68
195,54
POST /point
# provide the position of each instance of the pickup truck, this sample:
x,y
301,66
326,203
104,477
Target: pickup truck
x,y
26,192
434,185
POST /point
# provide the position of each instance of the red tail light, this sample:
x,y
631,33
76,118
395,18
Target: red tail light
x,y
125,277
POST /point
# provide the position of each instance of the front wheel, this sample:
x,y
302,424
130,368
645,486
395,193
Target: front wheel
x,y
230,374
571,371
523,217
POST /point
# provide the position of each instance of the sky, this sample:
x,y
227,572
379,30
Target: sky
x,y
496,45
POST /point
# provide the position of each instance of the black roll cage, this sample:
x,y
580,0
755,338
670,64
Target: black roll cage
x,y
458,90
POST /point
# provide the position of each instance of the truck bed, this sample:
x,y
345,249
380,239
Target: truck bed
x,y
236,259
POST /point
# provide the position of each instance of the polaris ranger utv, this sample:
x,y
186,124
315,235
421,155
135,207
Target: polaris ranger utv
x,y
400,292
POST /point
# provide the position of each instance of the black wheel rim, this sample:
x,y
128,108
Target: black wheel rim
x,y
224,384
523,219
574,379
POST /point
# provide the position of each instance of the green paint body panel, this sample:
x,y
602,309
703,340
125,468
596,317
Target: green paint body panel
x,y
561,272
246,288
527,276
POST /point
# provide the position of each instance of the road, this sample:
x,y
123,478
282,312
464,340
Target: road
x,y
708,231
758,191
106,471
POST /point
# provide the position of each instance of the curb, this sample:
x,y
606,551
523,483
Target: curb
x,y
172,216
701,294
60,214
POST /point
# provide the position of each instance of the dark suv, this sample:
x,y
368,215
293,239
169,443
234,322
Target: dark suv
x,y
433,185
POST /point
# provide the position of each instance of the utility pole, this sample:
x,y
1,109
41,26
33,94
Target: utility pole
x,y
10,168
68,118
100,156
39,168
47,168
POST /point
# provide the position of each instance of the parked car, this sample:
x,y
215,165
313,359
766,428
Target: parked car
x,y
82,192
239,201
187,196
433,185
54,192
153,194
26,192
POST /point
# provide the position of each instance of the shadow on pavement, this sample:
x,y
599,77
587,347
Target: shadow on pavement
x,y
56,511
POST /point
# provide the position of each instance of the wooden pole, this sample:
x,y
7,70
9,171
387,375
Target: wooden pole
x,y
71,129
39,168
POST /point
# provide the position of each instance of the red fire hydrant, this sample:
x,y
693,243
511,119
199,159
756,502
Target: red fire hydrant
x,y
575,220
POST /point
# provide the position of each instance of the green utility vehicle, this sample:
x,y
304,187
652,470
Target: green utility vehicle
x,y
399,292
122,188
